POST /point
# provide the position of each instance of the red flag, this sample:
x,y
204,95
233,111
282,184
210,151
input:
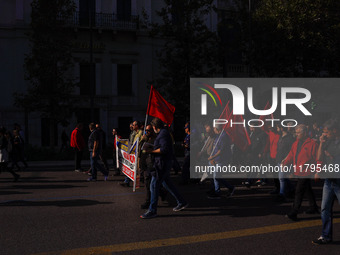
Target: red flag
x,y
158,107
226,115
238,133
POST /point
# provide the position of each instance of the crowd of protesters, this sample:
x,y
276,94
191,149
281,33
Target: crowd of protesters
x,y
274,145
299,146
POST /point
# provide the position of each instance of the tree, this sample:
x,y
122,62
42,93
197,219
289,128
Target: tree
x,y
297,38
48,63
190,49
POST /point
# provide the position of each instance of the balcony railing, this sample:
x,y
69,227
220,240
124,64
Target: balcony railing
x,y
103,21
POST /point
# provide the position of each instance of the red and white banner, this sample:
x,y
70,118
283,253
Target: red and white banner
x,y
127,161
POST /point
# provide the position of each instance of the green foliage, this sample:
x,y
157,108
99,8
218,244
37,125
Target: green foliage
x,y
190,49
49,61
293,37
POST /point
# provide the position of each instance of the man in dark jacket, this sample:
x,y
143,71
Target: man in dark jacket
x,y
102,136
147,161
329,155
95,150
255,153
163,152
284,145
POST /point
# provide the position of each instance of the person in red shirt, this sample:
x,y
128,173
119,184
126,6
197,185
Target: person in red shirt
x,y
78,144
302,153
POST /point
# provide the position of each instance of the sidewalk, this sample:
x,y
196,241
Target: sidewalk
x,y
70,163
61,163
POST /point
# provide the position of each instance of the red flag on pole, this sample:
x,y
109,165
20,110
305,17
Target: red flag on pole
x,y
238,133
158,107
226,115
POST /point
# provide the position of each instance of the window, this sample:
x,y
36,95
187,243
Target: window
x,y
124,9
87,9
87,81
124,80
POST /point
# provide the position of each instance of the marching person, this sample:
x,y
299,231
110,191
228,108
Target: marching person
x,y
136,134
78,144
147,164
221,155
4,158
115,133
95,151
283,147
186,164
163,153
102,137
303,152
329,154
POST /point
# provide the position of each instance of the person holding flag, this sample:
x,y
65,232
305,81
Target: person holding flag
x,y
163,153
221,155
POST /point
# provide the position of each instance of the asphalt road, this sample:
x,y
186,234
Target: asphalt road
x,y
54,210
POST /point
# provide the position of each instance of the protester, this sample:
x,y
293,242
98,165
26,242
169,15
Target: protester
x,y
221,155
329,154
147,164
316,132
207,148
12,158
186,163
255,152
137,133
284,145
20,131
303,152
114,152
4,154
18,147
132,133
78,144
102,137
273,140
95,150
163,153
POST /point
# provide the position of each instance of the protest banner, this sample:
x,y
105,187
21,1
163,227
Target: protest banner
x,y
127,161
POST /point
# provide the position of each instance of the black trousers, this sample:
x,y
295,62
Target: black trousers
x,y
78,157
186,168
3,167
303,187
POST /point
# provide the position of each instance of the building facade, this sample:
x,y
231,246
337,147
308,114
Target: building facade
x,y
108,34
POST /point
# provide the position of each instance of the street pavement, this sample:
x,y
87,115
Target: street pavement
x,y
54,210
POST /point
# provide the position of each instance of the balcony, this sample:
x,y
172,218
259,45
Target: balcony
x,y
108,21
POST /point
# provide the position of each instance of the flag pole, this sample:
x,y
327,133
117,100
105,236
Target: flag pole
x,y
147,110
205,175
